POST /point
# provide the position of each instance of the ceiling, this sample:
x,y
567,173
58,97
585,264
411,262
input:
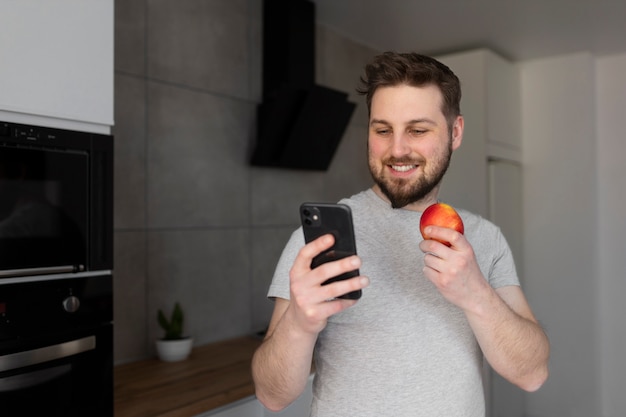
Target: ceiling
x,y
518,30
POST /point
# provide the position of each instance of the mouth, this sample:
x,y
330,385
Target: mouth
x,y
402,168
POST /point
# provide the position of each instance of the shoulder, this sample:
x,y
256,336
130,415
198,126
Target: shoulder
x,y
476,223
365,203
482,233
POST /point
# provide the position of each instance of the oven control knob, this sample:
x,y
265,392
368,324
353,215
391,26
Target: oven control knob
x,y
71,304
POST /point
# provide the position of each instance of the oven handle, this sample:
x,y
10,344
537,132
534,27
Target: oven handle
x,y
41,271
32,379
46,354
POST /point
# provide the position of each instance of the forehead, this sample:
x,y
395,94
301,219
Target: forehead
x,y
405,101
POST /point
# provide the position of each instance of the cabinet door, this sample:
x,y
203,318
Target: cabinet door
x,y
503,108
465,183
57,61
505,204
505,210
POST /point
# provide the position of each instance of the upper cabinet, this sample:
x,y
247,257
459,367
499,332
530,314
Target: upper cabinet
x,y
504,106
57,63
491,92
491,109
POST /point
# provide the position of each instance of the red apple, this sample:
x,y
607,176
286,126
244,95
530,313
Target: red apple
x,y
441,214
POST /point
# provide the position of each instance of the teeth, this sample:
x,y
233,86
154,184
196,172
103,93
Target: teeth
x,y
402,168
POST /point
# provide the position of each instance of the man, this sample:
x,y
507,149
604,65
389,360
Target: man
x,y
413,344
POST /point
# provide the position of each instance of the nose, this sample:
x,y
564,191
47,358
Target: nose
x,y
400,146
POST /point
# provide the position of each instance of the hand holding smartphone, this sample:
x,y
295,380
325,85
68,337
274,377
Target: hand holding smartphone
x,y
319,219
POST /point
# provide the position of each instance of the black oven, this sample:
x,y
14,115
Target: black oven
x,y
56,347
56,196
56,260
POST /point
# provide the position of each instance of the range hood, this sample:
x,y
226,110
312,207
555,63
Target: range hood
x,y
299,123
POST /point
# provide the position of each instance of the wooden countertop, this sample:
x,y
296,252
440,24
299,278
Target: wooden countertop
x,y
214,375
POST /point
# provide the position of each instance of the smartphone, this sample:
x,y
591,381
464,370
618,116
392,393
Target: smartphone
x,y
326,218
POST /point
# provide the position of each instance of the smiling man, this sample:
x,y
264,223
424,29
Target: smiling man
x,y
409,156
413,345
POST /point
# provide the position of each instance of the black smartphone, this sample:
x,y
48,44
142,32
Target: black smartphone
x,y
326,218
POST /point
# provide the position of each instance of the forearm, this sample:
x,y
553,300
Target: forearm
x,y
281,366
513,343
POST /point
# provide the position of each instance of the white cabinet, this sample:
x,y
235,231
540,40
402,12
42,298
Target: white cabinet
x,y
505,209
491,109
485,174
503,99
57,63
491,95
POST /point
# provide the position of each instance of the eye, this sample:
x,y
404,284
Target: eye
x,y
383,132
417,132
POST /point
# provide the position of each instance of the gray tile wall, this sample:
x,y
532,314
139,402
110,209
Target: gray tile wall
x,y
193,221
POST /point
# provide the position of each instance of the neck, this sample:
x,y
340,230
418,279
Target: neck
x,y
419,205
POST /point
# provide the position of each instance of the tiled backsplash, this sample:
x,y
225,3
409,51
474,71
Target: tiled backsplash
x,y
193,221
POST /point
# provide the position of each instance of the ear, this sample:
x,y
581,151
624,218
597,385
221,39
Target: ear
x,y
457,132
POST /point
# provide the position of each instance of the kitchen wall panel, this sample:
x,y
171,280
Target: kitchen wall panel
x,y
208,272
130,37
197,167
201,44
130,156
207,226
129,295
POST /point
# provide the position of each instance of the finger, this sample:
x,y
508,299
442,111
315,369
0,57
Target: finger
x,y
311,250
445,234
433,262
319,303
434,248
336,268
331,307
312,281
342,287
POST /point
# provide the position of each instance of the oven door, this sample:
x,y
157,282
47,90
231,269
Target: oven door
x,y
69,376
44,198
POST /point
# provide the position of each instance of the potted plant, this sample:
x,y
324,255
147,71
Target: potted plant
x,y
173,346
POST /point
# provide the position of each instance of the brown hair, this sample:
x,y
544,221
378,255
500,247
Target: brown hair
x,y
393,68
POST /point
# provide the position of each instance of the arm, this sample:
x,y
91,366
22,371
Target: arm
x,y
282,364
511,339
513,342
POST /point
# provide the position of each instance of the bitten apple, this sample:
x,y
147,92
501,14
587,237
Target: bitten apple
x,y
441,214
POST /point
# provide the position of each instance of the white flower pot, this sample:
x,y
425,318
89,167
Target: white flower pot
x,y
174,350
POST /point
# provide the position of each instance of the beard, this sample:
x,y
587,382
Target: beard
x,y
403,191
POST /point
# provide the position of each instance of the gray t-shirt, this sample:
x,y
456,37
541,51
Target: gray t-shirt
x,y
402,350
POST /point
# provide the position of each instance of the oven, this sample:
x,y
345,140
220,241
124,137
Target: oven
x,y
56,347
56,199
56,279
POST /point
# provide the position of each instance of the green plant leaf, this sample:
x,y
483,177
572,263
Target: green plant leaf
x,y
177,315
173,327
162,320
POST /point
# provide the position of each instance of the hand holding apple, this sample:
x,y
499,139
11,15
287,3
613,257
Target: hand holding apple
x,y
441,214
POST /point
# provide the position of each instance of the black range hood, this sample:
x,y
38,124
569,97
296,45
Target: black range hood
x,y
299,123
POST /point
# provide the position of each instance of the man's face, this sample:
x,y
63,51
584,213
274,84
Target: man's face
x,y
409,143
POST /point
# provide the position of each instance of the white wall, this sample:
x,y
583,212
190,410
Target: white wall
x,y
611,114
573,108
